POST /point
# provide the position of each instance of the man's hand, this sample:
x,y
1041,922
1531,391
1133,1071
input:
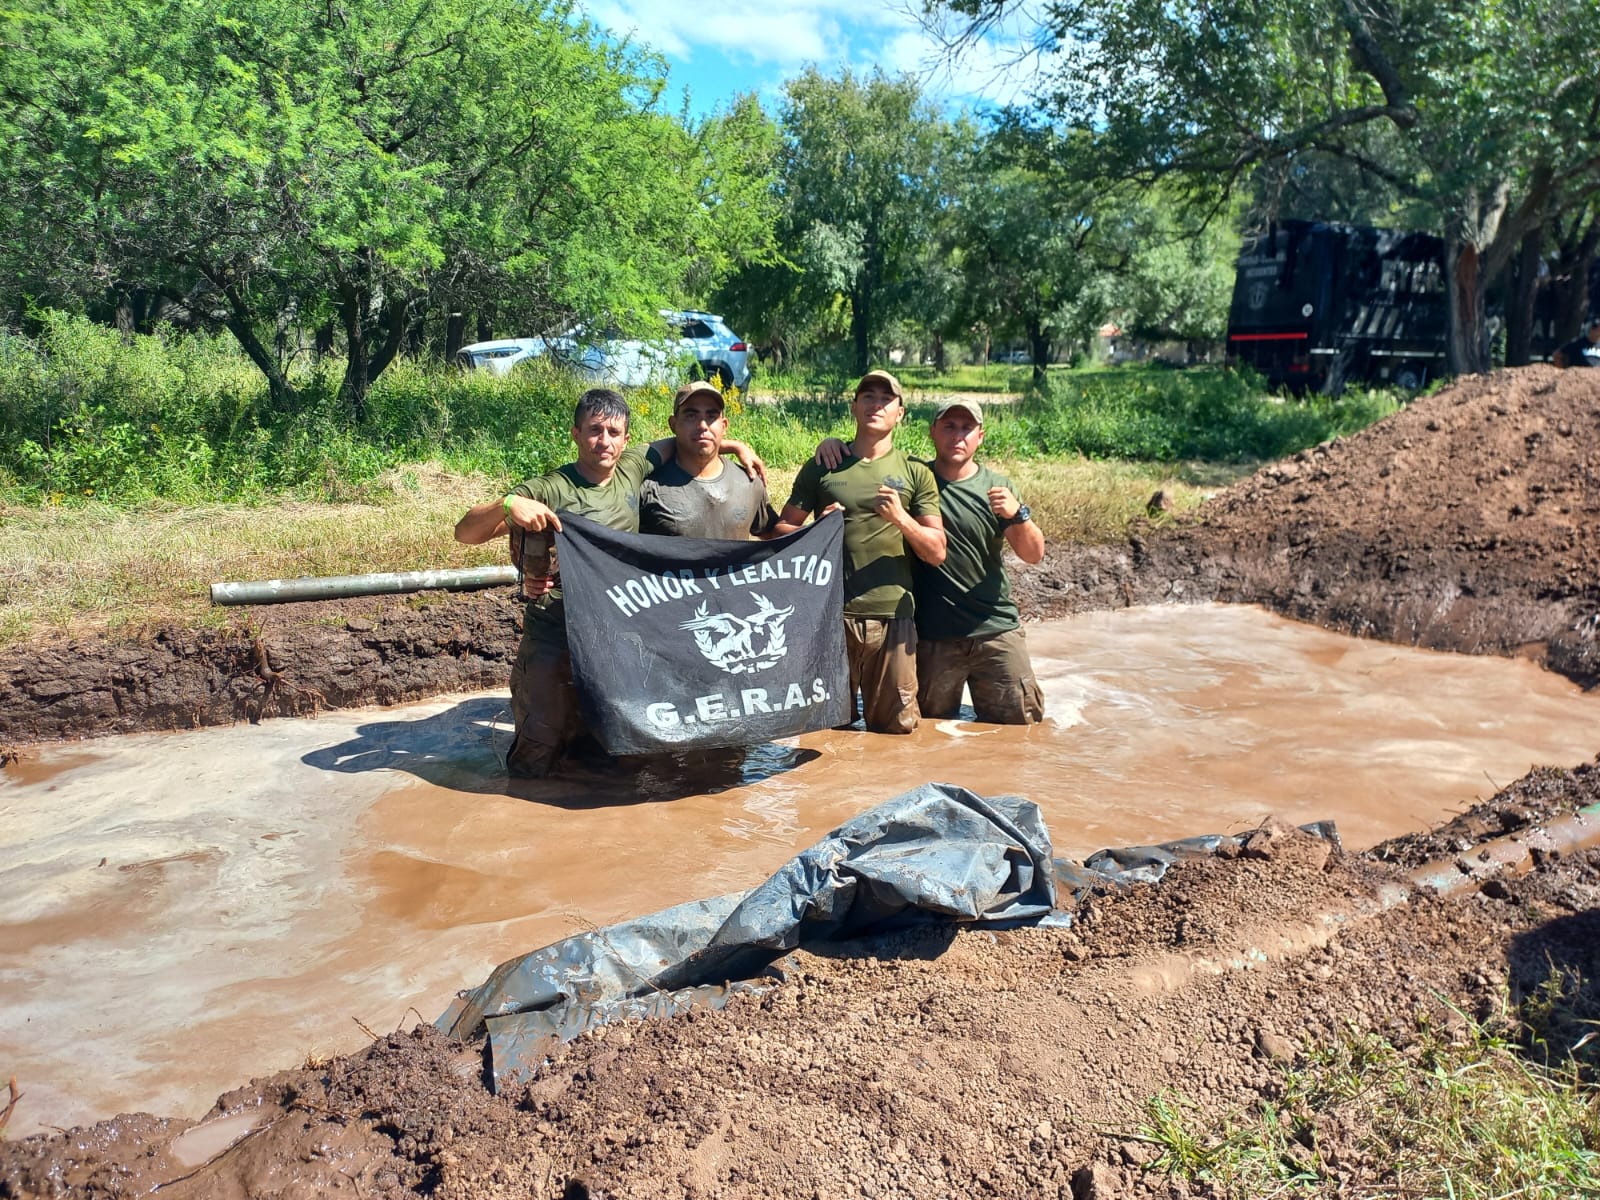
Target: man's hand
x,y
748,459
532,515
1002,503
830,453
888,506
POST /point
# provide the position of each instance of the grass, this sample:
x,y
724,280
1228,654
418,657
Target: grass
x,y
122,570
126,569
132,474
1454,1112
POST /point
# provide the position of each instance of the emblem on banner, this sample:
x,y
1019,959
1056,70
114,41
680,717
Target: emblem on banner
x,y
729,642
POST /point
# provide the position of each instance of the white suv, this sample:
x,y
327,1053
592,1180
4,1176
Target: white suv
x,y
715,350
720,354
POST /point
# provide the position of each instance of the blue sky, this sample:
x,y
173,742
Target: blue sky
x,y
720,49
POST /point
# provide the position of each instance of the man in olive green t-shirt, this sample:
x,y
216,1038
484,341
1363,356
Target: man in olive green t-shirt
x,y
968,632
891,513
603,485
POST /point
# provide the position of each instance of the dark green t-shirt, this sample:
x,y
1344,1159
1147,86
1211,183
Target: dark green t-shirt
x,y
877,571
614,503
969,594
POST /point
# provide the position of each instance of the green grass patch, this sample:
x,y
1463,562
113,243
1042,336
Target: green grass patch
x,y
89,418
1453,1111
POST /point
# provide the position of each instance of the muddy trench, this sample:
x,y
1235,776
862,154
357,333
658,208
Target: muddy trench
x,y
1009,1064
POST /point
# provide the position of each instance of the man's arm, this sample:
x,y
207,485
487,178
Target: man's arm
x,y
924,534
1026,541
665,450
1025,538
482,523
790,520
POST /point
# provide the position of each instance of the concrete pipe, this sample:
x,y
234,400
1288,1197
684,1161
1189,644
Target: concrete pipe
x,y
335,587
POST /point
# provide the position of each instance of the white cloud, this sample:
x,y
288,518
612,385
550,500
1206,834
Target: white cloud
x,y
778,38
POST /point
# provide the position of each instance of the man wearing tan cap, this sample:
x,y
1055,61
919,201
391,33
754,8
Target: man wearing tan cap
x,y
603,485
697,494
968,632
891,513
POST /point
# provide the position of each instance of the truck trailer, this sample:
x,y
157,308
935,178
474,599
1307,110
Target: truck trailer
x,y
1318,304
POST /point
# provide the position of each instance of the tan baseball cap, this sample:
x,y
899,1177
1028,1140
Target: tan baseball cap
x,y
970,407
700,387
883,377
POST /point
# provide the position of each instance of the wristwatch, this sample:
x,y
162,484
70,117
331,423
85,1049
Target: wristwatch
x,y
1023,515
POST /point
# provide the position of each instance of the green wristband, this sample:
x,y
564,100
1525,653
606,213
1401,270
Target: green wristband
x,y
507,506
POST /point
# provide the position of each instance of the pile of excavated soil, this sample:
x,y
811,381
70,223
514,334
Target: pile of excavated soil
x,y
940,1063
1464,522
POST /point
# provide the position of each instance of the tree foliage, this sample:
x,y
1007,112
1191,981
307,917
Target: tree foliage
x,y
282,164
1484,120
859,190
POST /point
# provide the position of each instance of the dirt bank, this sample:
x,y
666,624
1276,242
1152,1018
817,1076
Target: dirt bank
x,y
1465,522
942,1063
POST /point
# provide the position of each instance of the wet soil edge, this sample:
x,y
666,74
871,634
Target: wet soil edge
x,y
297,660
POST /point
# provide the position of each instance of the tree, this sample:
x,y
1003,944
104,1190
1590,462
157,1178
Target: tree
x,y
287,164
859,188
1484,117
1033,244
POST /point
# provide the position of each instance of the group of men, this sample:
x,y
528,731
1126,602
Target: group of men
x,y
927,609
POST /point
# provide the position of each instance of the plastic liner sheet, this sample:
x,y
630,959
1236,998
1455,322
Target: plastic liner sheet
x,y
938,851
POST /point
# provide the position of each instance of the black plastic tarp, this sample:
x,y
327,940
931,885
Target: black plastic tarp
x,y
939,850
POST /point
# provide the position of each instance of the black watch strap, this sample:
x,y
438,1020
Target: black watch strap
x,y
1023,514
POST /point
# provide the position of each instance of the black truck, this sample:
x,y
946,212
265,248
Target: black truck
x,y
1317,304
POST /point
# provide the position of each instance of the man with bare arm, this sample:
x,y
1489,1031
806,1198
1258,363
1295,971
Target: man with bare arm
x,y
968,631
603,485
891,512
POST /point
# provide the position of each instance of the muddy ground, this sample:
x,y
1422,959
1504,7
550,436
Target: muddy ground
x,y
960,1063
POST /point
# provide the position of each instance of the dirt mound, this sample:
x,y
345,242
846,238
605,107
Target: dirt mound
x,y
1463,522
942,1062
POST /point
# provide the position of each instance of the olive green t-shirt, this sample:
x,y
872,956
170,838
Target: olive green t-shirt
x,y
877,570
969,594
614,503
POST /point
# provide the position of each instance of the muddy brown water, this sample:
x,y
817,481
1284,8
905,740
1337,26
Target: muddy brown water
x,y
179,912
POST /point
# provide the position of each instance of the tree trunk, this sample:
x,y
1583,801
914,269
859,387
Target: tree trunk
x,y
486,323
1570,278
1038,350
455,329
1520,297
353,388
322,341
283,397
412,344
861,328
1468,345
938,352
396,327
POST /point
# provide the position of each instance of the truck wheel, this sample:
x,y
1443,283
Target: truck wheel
x,y
1410,376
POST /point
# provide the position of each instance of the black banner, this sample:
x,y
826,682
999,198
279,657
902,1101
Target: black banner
x,y
680,643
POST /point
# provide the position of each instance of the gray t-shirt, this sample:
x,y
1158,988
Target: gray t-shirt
x,y
733,506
